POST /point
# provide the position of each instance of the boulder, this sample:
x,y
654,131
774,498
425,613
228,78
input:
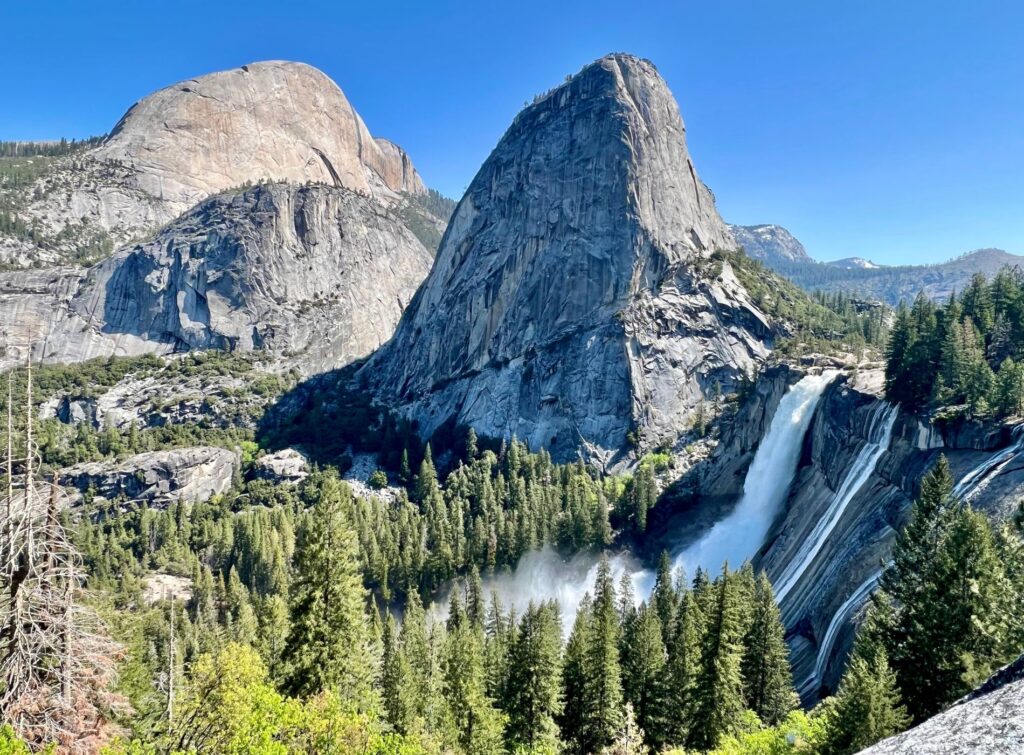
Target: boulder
x,y
287,465
158,477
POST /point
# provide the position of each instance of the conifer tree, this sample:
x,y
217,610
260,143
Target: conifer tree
x,y
683,665
329,647
603,687
946,585
475,725
767,677
534,697
575,676
718,689
867,707
644,676
665,598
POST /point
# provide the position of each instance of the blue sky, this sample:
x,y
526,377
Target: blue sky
x,y
891,130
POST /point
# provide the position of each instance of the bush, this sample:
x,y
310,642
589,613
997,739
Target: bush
x,y
378,480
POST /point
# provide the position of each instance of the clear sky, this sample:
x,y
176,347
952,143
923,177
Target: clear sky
x,y
891,130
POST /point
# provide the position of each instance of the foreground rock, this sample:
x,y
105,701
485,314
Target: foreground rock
x,y
575,301
989,720
158,478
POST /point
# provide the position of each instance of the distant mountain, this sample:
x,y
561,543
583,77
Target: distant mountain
x,y
854,263
777,248
769,243
898,283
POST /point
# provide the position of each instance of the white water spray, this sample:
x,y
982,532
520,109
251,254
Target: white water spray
x,y
543,575
738,536
878,438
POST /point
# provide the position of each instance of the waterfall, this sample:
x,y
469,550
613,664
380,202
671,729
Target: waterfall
x,y
878,437
543,575
739,535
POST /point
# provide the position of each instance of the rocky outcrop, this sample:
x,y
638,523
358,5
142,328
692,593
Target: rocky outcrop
x,y
316,275
286,465
989,720
267,121
772,244
159,477
575,301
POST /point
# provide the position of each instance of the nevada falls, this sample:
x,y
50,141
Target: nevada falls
x,y
255,355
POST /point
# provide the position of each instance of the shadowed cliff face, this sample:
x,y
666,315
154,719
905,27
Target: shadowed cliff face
x,y
317,273
573,299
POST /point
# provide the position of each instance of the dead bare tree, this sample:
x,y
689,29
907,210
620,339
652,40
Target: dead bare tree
x,y
57,662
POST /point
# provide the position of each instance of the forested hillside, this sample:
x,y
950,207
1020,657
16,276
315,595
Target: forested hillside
x,y
284,618
965,356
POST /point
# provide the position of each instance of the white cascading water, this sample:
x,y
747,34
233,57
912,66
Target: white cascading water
x,y
543,575
739,535
978,478
972,483
878,438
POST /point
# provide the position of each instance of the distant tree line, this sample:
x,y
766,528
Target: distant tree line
x,y
47,148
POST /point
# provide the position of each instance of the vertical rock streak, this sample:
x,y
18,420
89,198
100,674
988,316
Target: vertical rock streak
x,y
978,478
852,603
878,438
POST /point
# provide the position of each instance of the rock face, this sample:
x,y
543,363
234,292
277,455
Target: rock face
x,y
158,477
268,121
313,264
772,244
859,473
989,720
574,300
319,273
316,274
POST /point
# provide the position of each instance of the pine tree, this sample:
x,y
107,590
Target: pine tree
x,y
946,585
1009,398
867,707
329,647
644,677
683,666
767,677
475,724
575,676
603,687
533,700
718,689
665,598
395,680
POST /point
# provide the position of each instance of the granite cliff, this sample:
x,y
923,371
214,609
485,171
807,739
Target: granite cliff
x,y
575,300
272,220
